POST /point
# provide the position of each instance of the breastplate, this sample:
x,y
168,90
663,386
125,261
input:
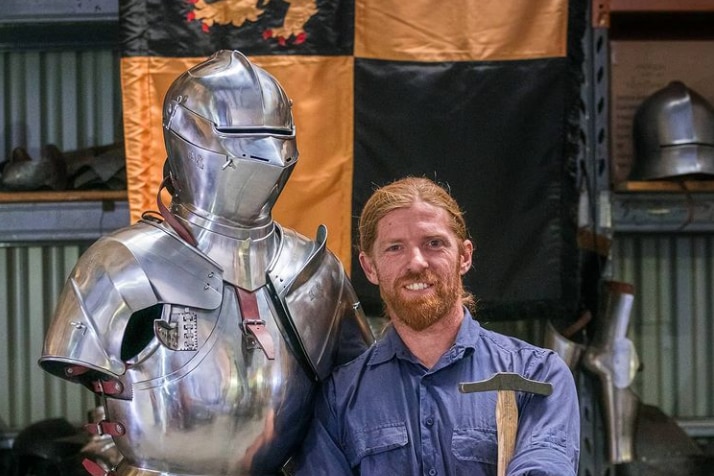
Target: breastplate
x,y
198,376
222,409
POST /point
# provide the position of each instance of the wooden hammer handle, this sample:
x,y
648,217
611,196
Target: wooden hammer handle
x,y
507,428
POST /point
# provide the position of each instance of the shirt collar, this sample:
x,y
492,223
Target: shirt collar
x,y
391,345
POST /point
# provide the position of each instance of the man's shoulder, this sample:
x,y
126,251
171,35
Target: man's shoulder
x,y
508,343
524,356
354,368
356,362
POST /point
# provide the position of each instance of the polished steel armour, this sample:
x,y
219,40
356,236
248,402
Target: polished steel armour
x,y
673,135
148,323
207,351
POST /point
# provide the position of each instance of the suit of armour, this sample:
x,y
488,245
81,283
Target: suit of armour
x,y
206,331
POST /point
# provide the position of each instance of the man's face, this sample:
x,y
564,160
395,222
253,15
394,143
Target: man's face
x,y
417,262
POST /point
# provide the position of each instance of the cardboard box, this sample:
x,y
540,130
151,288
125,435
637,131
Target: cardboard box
x,y
638,69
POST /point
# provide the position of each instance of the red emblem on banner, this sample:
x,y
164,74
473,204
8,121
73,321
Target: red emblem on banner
x,y
238,12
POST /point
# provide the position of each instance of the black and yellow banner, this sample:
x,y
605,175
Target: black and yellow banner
x,y
478,94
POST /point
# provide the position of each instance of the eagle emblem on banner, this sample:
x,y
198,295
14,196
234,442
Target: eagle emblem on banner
x,y
238,12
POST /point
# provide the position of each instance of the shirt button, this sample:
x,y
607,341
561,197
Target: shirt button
x,y
432,472
429,422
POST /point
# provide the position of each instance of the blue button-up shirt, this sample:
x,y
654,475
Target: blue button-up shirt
x,y
386,414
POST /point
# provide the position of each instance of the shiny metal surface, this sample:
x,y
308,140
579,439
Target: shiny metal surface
x,y
223,408
612,357
207,358
122,273
568,350
245,253
302,289
230,139
101,447
22,172
673,135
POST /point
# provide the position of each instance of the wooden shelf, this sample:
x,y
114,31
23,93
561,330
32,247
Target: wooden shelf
x,y
669,206
63,196
656,20
661,6
670,186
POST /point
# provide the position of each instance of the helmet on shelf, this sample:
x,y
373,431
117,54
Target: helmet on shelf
x,y
673,133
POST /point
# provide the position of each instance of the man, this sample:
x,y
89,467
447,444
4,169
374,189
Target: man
x,y
396,409
205,333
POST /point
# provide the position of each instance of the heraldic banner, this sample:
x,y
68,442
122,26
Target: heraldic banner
x,y
477,94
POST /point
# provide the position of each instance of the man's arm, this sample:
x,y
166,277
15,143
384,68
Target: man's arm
x,y
549,427
321,453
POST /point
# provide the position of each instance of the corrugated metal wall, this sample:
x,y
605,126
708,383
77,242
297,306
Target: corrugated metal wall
x,y
33,277
672,322
67,98
70,99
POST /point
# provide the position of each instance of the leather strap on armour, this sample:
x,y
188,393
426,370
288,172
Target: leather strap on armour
x,y
107,387
178,227
252,324
94,469
105,427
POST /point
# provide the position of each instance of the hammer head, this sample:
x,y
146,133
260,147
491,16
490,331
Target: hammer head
x,y
507,381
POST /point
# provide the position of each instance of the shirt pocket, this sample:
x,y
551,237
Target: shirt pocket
x,y
480,445
375,440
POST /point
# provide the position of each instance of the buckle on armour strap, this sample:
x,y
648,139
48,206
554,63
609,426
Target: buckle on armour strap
x,y
95,469
256,328
105,427
107,387
252,325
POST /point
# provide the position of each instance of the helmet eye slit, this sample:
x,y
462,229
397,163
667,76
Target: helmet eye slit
x,y
254,131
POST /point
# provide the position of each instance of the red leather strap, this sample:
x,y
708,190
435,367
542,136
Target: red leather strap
x,y
178,227
75,370
252,322
94,469
262,336
105,427
107,387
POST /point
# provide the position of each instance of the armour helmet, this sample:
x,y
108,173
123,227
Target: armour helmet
x,y
230,139
673,133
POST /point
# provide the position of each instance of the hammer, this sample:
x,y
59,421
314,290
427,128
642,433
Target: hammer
x,y
506,384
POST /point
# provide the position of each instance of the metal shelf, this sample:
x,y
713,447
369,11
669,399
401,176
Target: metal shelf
x,y
663,212
59,25
26,222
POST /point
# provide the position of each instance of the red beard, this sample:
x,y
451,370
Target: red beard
x,y
420,312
